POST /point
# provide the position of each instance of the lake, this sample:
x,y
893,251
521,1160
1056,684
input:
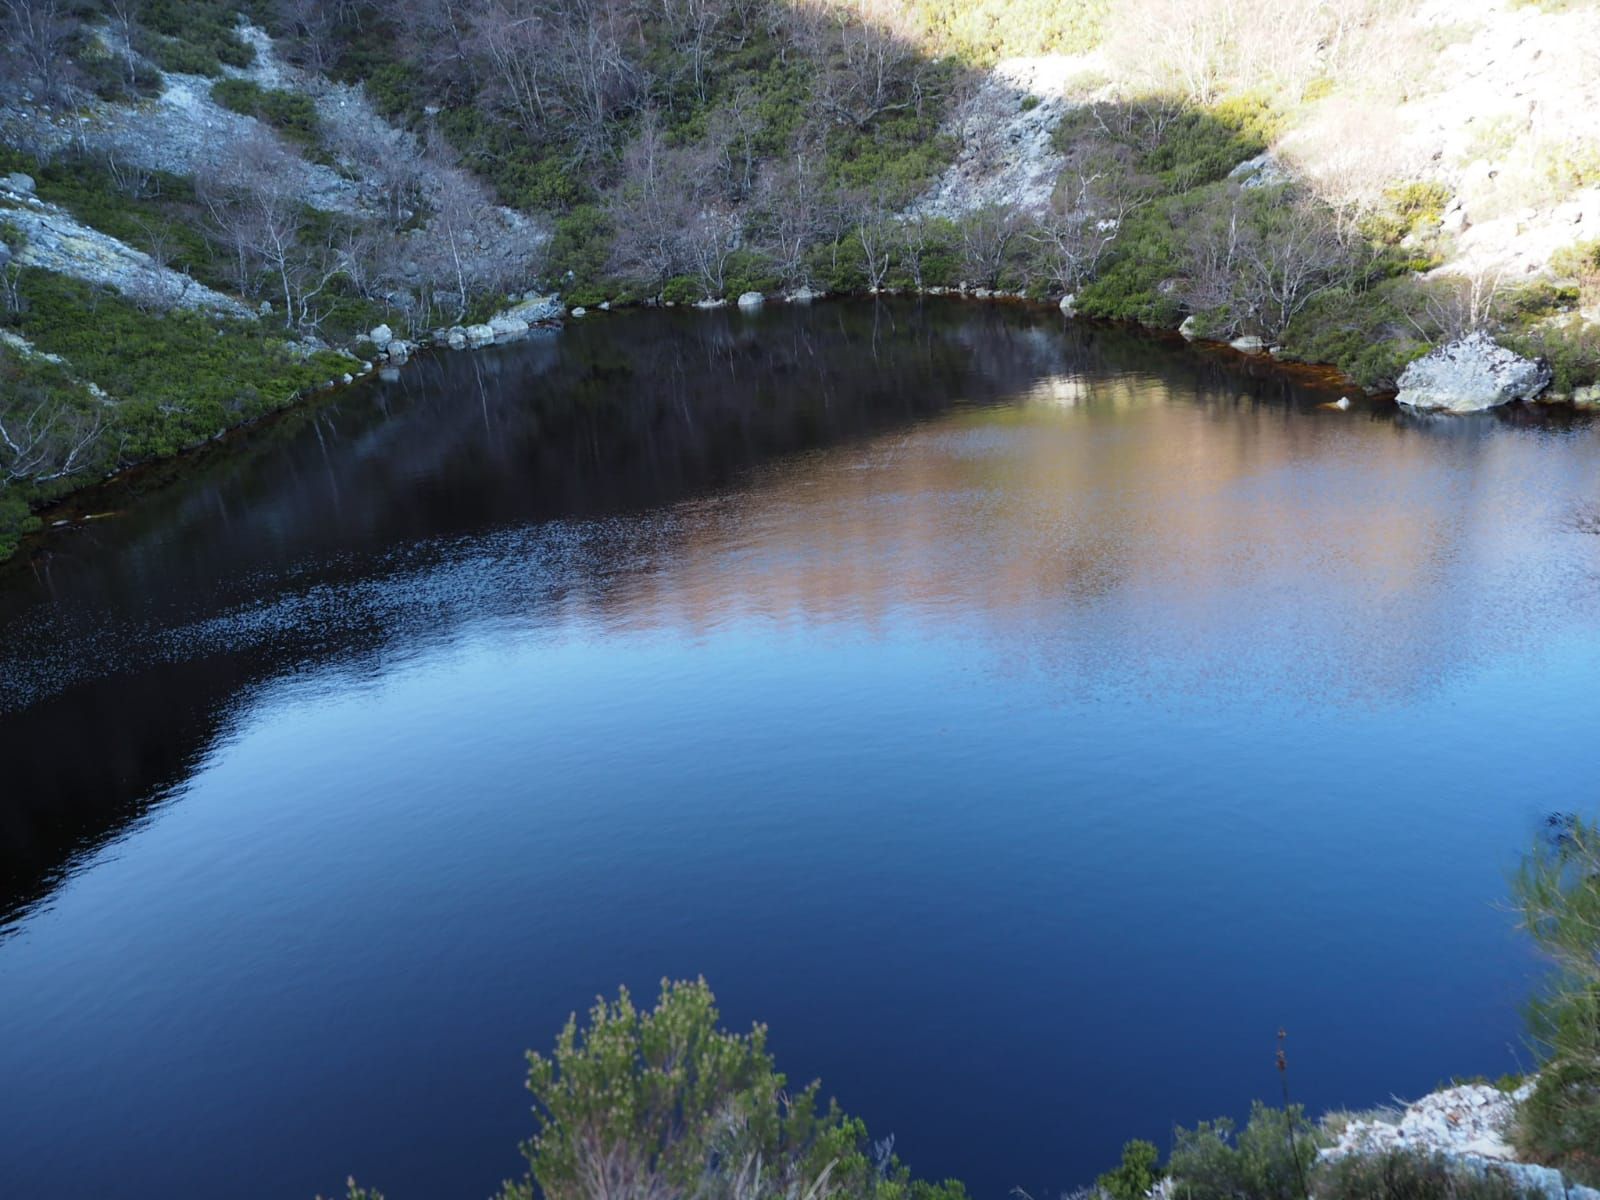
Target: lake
x,y
1024,718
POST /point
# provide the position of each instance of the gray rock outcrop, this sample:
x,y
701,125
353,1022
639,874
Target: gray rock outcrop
x,y
1468,1126
1471,374
1263,170
54,240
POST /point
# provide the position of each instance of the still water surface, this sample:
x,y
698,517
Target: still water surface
x,y
1025,720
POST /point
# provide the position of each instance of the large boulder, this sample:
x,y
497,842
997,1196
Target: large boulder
x,y
1471,374
748,300
381,336
480,335
534,308
507,328
19,183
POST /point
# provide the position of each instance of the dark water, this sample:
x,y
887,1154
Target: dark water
x,y
1024,720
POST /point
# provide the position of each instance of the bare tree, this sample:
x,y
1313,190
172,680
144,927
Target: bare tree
x,y
870,62
124,19
1260,260
1294,255
1085,216
692,25
515,39
987,237
647,210
876,233
50,440
798,215
38,34
712,236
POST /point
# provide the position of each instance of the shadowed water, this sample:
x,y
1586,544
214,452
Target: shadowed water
x,y
1024,719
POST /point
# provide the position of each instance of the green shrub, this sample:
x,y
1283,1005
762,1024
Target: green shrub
x,y
751,271
1570,345
682,289
1270,1159
201,35
1558,893
1362,331
580,250
182,58
676,1105
1559,1123
16,521
292,113
1403,1175
1133,1178
1408,209
1204,144
180,377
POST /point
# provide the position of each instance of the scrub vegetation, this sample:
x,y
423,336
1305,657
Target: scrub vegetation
x,y
692,150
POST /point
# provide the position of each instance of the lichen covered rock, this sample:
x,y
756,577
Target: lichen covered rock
x,y
1471,374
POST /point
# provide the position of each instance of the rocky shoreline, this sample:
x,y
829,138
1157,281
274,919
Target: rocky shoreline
x,y
1470,1126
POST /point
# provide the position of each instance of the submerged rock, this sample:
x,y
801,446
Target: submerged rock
x,y
1471,374
1249,344
1069,304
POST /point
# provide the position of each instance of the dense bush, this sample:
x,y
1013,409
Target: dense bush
x,y
1558,893
665,1102
1402,1175
1133,1178
292,113
1570,345
1269,1159
178,377
1362,331
196,37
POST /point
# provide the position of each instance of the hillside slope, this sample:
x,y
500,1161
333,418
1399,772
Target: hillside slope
x,y
1353,181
